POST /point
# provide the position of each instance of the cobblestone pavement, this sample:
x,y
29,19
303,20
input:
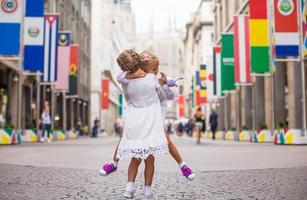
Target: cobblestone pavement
x,y
28,182
224,169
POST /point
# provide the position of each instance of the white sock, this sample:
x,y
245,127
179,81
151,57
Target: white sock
x,y
114,163
147,190
130,186
181,164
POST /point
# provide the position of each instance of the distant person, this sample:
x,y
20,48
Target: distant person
x,y
213,123
79,127
169,128
46,123
198,116
189,127
95,128
180,128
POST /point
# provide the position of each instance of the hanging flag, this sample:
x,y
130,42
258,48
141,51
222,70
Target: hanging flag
x,y
227,64
242,49
304,26
210,80
217,70
34,36
286,28
180,106
104,94
10,22
202,84
259,36
50,47
120,104
73,69
196,88
63,60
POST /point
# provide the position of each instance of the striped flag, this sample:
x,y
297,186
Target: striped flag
x,y
73,69
217,70
105,94
242,49
203,84
34,36
286,28
259,36
180,110
63,60
10,22
50,47
210,80
227,63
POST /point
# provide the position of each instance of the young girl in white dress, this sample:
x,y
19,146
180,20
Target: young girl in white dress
x,y
143,136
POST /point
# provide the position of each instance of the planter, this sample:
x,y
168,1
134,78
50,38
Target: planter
x,y
29,135
244,136
70,135
59,135
230,135
9,136
290,136
218,135
263,136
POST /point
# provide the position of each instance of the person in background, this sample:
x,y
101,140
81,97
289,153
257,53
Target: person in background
x,y
199,117
169,128
79,127
189,127
213,122
95,128
180,128
46,123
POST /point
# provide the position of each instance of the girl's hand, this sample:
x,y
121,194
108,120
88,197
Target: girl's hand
x,y
138,74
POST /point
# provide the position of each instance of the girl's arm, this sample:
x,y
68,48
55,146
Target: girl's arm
x,y
169,93
121,78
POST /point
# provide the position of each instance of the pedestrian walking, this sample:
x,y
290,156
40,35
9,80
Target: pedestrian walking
x,y
198,116
46,123
112,166
79,130
180,128
213,123
95,128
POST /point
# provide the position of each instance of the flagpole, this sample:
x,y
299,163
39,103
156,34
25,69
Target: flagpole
x,y
302,67
272,77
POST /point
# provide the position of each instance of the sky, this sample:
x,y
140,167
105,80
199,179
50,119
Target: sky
x,y
162,13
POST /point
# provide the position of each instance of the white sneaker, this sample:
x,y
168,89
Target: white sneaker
x,y
191,177
151,196
42,140
129,194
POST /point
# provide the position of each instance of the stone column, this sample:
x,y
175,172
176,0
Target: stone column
x,y
233,111
280,95
294,80
220,114
268,101
259,100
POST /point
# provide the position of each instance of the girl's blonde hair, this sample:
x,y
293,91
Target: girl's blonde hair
x,y
147,57
129,60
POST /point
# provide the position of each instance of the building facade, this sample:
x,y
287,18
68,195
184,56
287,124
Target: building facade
x,y
113,32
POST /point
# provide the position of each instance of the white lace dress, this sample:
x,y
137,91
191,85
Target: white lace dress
x,y
143,126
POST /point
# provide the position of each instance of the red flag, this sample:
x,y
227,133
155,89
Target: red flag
x,y
258,9
286,19
181,106
105,94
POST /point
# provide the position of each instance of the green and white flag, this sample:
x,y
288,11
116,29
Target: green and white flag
x,y
227,64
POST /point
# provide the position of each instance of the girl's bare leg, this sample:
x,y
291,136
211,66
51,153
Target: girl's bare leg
x,y
173,150
149,170
133,169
